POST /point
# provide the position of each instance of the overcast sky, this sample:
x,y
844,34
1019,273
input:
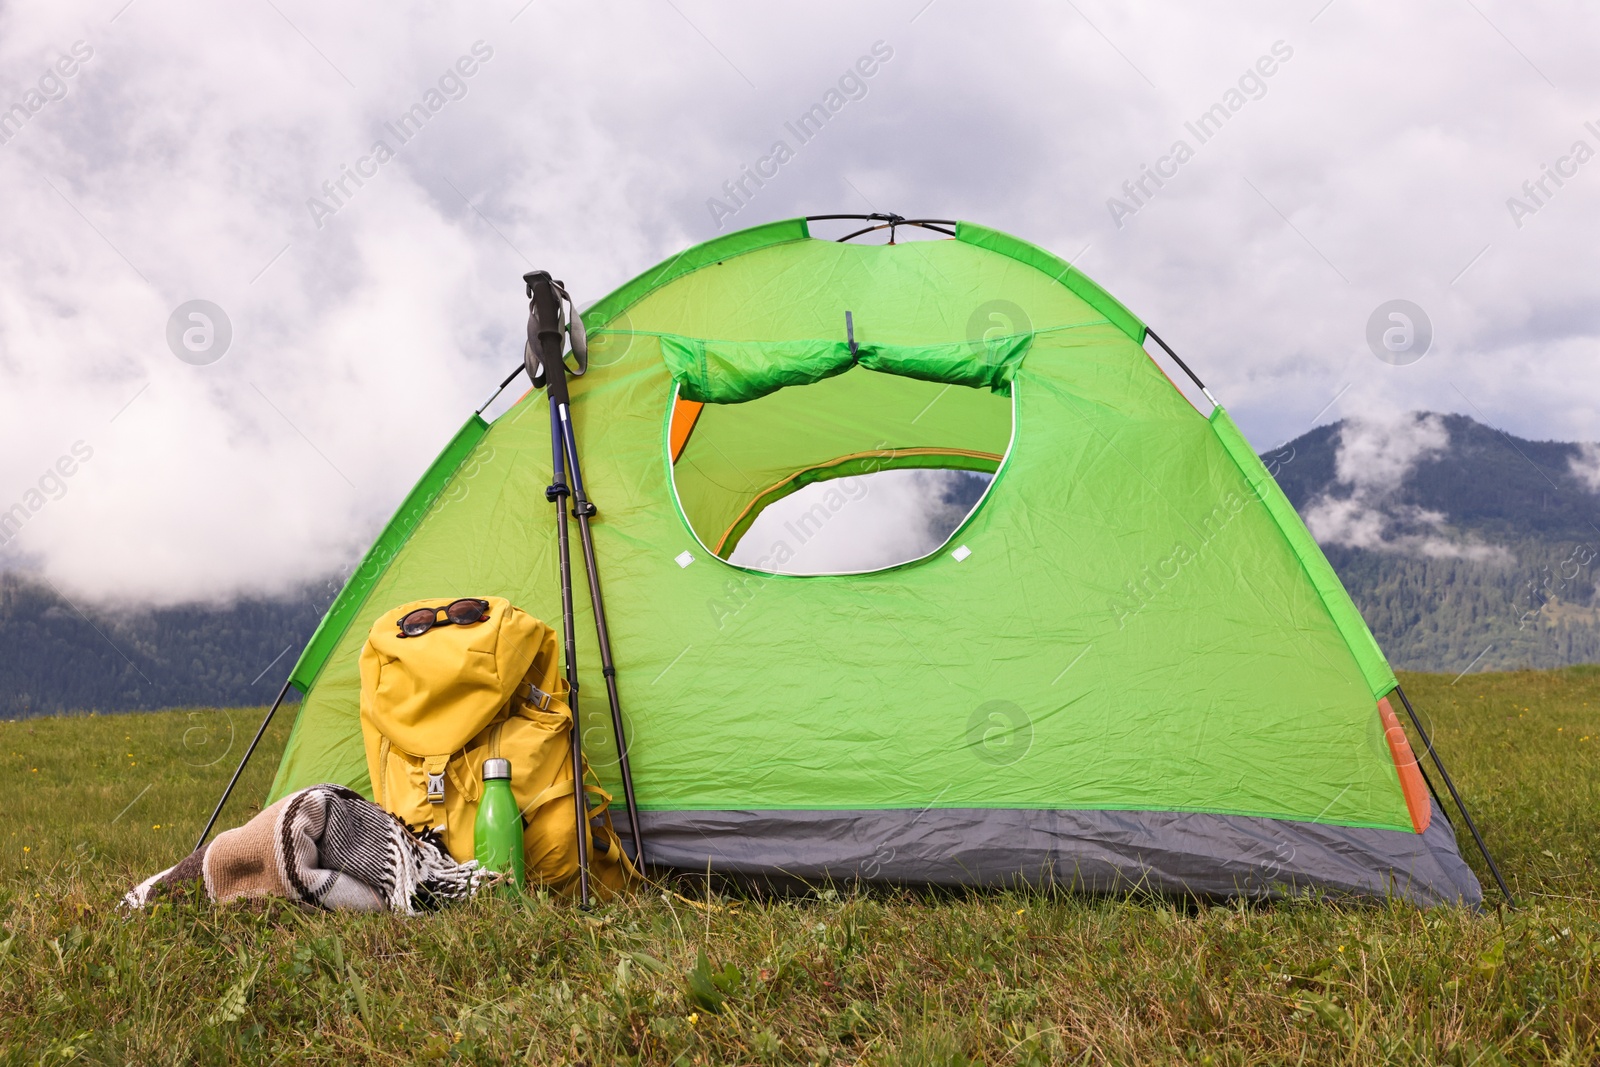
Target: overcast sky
x,y
178,159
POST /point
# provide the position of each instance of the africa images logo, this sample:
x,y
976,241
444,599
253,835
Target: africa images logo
x,y
199,332
50,87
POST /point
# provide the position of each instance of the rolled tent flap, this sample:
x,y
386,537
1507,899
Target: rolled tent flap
x,y
732,372
982,364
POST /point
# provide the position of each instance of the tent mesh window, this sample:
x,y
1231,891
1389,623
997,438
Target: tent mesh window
x,y
858,472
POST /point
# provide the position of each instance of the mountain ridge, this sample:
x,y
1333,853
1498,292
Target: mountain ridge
x,y
1464,547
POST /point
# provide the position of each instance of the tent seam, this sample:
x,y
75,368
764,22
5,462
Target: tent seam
x,y
1306,569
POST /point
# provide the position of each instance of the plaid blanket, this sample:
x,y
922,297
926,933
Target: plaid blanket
x,y
327,846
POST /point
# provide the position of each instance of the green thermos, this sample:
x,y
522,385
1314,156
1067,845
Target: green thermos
x,y
497,835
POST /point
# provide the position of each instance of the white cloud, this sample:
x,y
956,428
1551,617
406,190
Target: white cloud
x,y
1364,511
1375,455
861,523
1585,465
179,161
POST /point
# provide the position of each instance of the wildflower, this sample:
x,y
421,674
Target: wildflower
x,y
27,848
157,826
694,1017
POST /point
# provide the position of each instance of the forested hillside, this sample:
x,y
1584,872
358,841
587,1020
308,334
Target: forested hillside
x,y
1449,614
1463,546
58,658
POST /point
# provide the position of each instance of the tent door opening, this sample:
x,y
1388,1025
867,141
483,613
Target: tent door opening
x,y
859,472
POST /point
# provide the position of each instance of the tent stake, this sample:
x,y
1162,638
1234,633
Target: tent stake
x,y
240,769
1466,817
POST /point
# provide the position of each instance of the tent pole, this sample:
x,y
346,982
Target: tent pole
x,y
584,509
240,769
1466,817
544,337
1192,375
1433,791
500,390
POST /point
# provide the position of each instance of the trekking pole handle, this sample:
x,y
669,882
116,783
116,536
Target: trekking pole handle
x,y
545,340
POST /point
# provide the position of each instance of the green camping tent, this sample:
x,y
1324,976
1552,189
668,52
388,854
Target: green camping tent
x,y
1130,665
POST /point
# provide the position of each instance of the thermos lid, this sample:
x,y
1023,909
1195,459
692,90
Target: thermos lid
x,y
496,768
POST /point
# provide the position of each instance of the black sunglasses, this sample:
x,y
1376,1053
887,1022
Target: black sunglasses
x,y
463,612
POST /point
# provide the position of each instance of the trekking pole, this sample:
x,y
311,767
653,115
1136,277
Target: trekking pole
x,y
543,360
584,509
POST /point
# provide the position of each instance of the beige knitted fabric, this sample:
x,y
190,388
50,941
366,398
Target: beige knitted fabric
x,y
327,846
243,863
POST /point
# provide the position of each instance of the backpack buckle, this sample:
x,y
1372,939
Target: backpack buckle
x,y
435,787
538,697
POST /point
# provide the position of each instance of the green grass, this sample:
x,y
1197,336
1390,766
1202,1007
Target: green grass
x,y
96,804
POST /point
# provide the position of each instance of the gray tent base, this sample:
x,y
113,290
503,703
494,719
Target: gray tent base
x,y
1172,853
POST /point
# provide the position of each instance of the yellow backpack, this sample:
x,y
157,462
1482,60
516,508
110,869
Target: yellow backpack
x,y
434,707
